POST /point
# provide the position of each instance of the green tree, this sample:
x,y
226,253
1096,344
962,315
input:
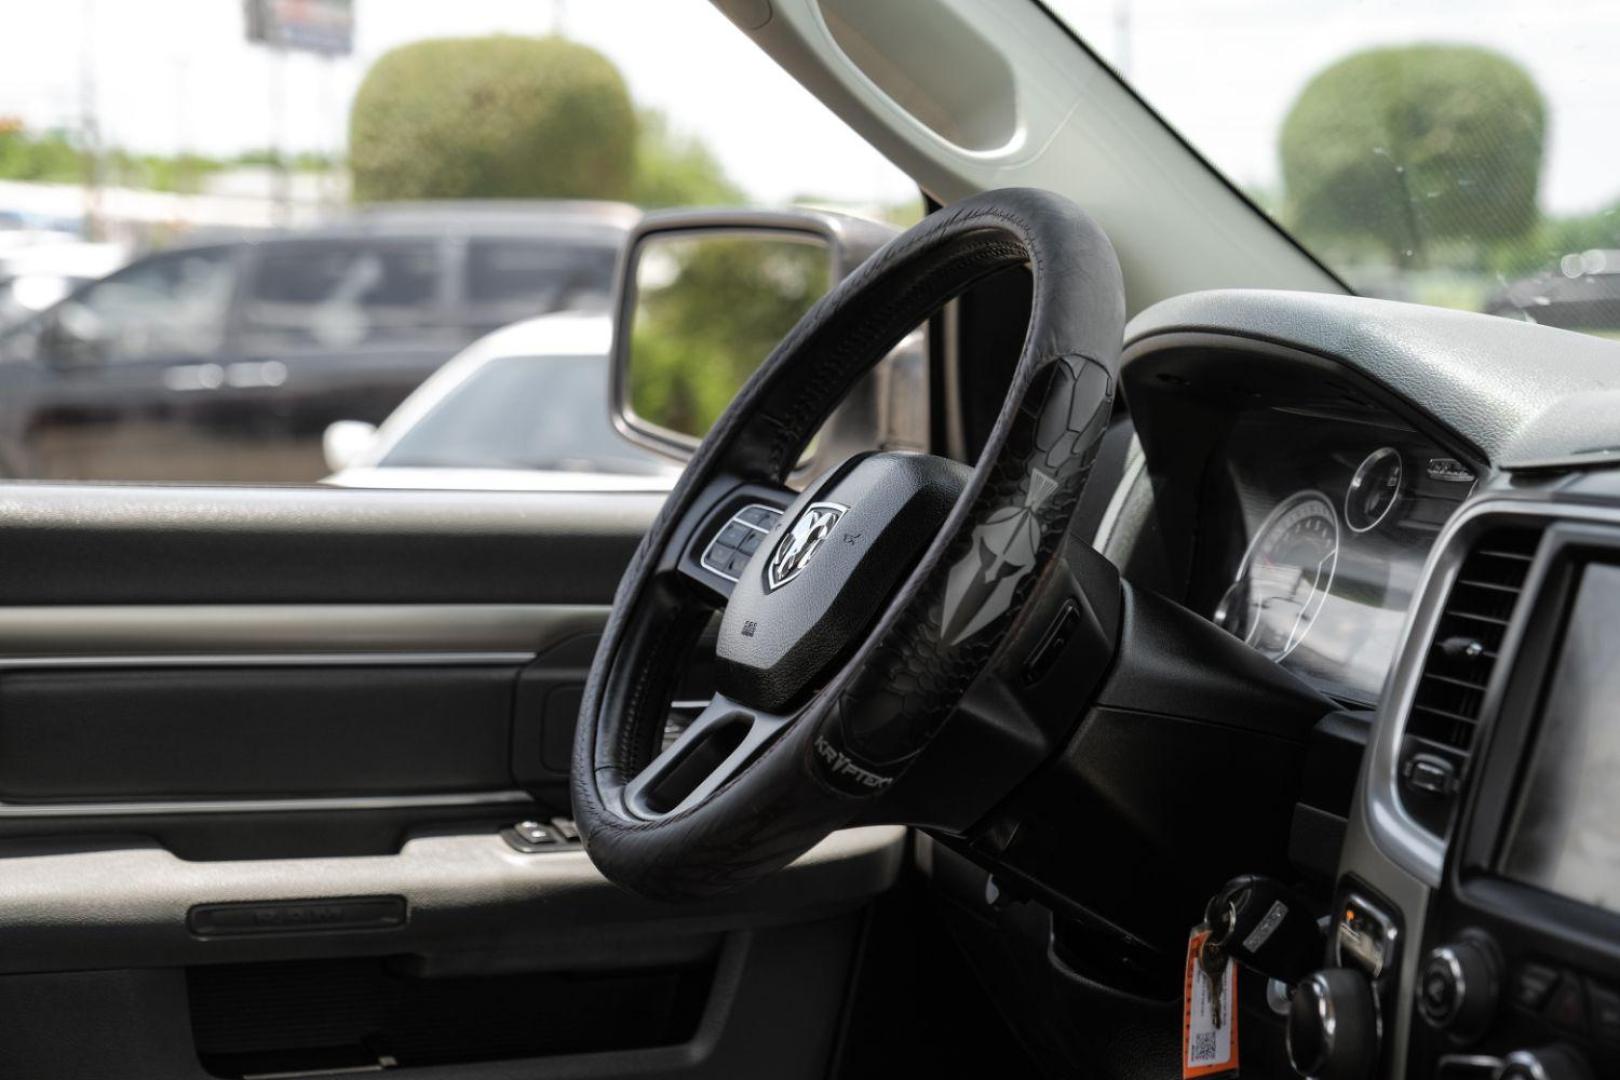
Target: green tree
x,y
709,309
676,170
1556,237
1397,148
492,117
48,156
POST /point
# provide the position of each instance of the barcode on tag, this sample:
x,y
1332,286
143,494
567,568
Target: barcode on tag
x,y
1209,1021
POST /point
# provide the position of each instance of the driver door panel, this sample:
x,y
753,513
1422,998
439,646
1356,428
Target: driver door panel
x,y
252,819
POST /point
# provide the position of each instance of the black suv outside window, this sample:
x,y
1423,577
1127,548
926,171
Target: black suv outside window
x,y
166,307
511,279
343,294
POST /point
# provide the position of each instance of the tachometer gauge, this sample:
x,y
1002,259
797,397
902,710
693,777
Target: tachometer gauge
x,y
1285,576
1373,490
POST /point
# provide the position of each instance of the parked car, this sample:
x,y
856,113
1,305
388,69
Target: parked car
x,y
35,276
228,361
524,408
1583,293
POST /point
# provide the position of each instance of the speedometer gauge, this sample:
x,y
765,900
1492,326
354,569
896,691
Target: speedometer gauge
x,y
1285,575
1373,490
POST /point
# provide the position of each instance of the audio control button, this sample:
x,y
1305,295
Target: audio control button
x,y
1458,986
1439,993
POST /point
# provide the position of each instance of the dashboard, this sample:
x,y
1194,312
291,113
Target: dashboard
x,y
1417,513
1294,505
1314,527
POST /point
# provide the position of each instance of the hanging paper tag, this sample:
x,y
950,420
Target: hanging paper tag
x,y
1209,1045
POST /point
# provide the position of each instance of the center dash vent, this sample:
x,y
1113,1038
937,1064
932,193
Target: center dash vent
x,y
1445,714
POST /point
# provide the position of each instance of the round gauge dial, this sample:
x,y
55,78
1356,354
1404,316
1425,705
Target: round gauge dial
x,y
1374,490
1285,576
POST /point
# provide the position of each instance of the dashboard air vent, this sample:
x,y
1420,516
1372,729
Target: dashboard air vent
x,y
1462,655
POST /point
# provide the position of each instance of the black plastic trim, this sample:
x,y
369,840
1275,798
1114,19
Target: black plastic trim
x,y
156,544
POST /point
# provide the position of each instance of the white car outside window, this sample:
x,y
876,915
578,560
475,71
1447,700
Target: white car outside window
x,y
524,408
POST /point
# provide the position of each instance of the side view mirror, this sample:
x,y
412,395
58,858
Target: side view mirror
x,y
344,441
703,298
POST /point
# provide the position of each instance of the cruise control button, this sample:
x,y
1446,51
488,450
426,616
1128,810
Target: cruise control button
x,y
750,543
1535,982
734,534
760,515
736,564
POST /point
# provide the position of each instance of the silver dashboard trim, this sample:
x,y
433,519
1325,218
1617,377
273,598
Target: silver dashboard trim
x,y
1395,832
1372,948
259,806
1135,466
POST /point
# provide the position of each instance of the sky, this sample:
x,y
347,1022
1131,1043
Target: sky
x,y
173,74
179,73
1224,72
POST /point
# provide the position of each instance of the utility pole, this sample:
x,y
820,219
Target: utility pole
x,y
278,133
89,125
182,122
335,138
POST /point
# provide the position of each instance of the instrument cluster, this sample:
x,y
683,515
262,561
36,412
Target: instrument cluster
x,y
1315,531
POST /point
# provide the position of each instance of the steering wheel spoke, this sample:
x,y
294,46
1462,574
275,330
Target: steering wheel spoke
x,y
722,739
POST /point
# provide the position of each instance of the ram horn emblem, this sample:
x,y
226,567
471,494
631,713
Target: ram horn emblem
x,y
807,535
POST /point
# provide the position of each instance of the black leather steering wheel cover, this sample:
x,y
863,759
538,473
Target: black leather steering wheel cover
x,y
859,733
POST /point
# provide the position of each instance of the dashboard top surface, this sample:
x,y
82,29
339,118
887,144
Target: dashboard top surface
x,y
1518,394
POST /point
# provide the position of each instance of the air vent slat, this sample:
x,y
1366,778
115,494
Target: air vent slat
x,y
1459,717
1477,617
1452,680
1461,659
1493,586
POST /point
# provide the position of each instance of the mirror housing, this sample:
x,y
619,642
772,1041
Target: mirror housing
x,y
344,441
848,241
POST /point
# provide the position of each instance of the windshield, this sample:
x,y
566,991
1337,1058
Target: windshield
x,y
526,412
1457,152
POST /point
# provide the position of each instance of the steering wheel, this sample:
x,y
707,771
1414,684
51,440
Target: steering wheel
x,y
859,612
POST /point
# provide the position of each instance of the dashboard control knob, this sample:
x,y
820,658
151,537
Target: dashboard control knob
x,y
1458,986
1548,1063
1333,1026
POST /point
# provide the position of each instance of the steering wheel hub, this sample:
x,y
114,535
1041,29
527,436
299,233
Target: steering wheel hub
x,y
845,552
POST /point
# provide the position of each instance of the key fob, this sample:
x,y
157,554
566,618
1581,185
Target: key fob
x,y
1267,927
